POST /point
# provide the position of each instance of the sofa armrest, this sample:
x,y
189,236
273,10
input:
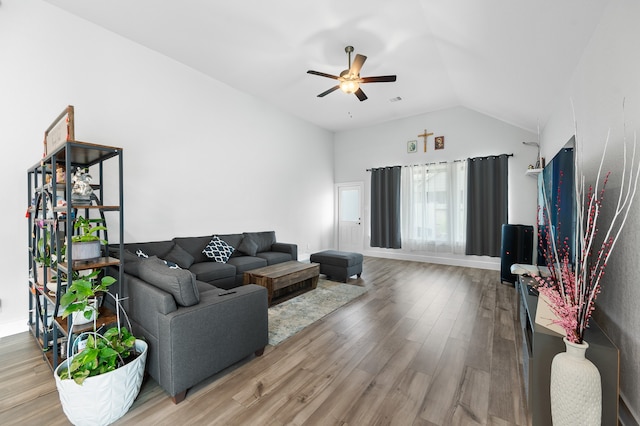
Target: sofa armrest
x,y
288,248
200,340
146,302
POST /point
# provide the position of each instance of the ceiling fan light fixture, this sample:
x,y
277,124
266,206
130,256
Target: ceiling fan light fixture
x,y
349,79
349,86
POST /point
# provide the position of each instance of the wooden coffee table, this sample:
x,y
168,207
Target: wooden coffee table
x,y
282,275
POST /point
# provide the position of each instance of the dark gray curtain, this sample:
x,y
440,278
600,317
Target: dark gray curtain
x,y
385,207
487,204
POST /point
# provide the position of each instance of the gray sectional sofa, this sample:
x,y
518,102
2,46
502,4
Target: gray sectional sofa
x,y
192,309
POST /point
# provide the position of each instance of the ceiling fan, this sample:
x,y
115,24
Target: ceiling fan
x,y
350,79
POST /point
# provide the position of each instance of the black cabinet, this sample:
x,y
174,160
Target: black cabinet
x,y
540,344
516,247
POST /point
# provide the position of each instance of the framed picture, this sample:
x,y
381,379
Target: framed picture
x,y
412,146
439,144
60,131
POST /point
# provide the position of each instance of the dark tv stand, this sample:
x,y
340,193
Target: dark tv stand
x,y
540,345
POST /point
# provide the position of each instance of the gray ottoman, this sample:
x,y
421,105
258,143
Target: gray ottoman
x,y
338,264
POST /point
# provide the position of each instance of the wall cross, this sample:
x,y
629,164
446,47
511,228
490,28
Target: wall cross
x,y
425,135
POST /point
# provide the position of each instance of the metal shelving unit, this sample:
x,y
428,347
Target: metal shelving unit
x,y
53,222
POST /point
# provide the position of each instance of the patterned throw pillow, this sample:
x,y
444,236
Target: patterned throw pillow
x,y
218,250
142,254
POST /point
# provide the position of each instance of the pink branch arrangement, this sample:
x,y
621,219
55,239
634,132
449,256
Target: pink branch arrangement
x,y
572,287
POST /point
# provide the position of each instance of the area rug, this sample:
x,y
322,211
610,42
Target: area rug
x,y
293,315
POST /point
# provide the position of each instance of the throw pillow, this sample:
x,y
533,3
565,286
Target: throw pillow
x,y
142,254
170,264
180,256
131,263
264,239
248,246
218,250
180,283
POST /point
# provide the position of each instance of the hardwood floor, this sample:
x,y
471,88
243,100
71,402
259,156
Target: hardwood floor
x,y
426,345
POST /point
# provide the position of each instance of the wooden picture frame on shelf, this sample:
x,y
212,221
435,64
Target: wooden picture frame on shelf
x,y
60,131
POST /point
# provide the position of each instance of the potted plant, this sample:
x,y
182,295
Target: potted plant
x,y
44,258
80,299
98,384
87,244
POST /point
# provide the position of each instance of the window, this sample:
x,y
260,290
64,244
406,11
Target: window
x,y
434,207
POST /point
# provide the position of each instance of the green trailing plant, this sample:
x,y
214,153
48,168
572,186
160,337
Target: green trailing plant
x,y
103,352
44,255
82,291
88,232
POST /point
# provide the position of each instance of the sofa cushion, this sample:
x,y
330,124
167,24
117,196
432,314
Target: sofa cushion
x,y
180,283
248,246
157,248
246,263
264,240
204,287
233,240
218,250
273,257
211,271
131,263
142,255
180,256
194,246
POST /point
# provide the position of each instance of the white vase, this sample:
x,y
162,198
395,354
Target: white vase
x,y
102,399
576,392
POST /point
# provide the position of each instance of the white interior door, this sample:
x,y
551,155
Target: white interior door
x,y
350,228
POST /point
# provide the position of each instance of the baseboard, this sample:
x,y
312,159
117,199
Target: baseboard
x,y
465,261
11,328
304,257
625,416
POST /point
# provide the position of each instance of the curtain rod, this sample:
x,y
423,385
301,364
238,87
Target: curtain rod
x,y
443,162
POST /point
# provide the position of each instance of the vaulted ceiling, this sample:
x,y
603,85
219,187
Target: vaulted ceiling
x,y
509,59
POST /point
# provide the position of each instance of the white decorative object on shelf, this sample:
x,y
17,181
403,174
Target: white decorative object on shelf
x,y
533,172
576,393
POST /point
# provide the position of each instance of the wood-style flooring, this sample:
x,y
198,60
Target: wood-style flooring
x,y
426,345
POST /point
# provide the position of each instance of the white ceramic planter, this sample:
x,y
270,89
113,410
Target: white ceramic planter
x,y
102,399
78,318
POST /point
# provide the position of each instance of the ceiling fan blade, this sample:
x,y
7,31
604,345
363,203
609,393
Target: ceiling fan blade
x,y
357,64
326,92
360,94
379,79
322,74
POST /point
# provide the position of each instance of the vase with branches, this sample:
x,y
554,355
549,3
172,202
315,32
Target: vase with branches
x,y
575,280
574,283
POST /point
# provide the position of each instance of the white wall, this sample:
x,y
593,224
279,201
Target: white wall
x,y
467,134
608,73
199,156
